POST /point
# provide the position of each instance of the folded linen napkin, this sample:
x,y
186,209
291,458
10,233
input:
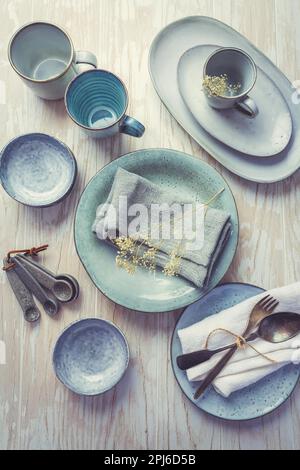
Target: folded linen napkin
x,y
246,366
195,265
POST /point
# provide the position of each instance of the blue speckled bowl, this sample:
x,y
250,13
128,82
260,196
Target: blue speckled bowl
x,y
37,170
146,291
251,402
90,356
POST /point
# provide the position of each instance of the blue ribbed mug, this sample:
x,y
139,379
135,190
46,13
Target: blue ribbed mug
x,y
43,56
97,100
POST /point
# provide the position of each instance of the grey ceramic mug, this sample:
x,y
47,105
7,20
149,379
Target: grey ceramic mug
x,y
240,70
43,56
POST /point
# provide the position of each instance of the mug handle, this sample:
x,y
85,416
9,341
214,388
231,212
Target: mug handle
x,y
248,106
85,58
132,127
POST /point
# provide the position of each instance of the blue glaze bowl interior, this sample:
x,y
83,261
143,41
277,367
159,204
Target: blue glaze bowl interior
x,y
37,170
248,403
91,356
96,99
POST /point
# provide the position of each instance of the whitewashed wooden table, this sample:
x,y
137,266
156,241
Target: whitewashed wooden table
x,y
147,409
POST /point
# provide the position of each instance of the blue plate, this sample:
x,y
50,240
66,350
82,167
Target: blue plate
x,y
146,291
251,402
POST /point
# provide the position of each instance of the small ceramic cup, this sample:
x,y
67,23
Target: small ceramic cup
x,y
43,56
240,70
97,101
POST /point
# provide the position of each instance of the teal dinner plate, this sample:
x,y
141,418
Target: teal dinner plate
x,y
147,291
251,402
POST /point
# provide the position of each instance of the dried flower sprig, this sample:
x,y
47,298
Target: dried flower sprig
x,y
173,266
220,86
135,252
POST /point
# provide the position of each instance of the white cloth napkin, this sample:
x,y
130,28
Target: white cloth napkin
x,y
195,265
246,366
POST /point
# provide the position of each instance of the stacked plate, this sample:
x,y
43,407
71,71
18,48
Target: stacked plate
x,y
264,149
145,291
254,401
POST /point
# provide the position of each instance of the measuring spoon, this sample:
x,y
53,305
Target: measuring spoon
x,y
62,289
64,277
72,281
50,305
24,296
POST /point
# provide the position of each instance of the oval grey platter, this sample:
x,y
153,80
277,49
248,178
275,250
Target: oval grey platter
x,y
251,402
167,48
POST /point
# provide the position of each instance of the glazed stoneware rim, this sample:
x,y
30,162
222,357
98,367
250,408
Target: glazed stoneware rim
x,y
185,305
114,327
33,80
96,129
73,175
206,146
240,51
194,402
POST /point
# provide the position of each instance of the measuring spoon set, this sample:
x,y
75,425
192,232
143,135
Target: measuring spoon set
x,y
29,279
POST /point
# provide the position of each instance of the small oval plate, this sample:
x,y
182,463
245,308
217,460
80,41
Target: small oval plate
x,y
251,402
37,170
265,135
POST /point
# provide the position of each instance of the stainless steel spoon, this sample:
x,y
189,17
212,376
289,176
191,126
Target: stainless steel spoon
x,y
50,304
24,296
62,287
276,328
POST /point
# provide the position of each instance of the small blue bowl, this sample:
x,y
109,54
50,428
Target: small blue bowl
x,y
91,356
37,170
